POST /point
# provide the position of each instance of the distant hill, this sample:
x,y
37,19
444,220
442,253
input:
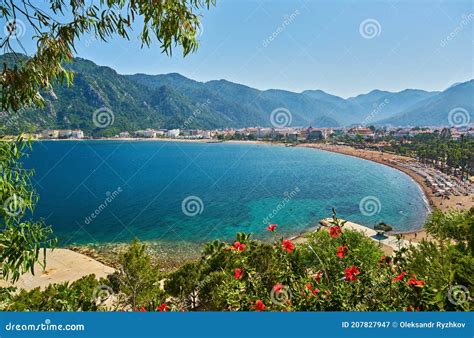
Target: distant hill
x,y
244,105
435,110
173,101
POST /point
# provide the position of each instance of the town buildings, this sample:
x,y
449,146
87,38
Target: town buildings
x,y
291,134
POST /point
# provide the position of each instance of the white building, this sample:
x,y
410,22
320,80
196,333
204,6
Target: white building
x,y
124,134
263,132
77,134
173,133
205,134
148,133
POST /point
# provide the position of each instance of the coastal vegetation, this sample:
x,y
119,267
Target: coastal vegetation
x,y
21,238
333,269
173,101
438,149
26,80
441,151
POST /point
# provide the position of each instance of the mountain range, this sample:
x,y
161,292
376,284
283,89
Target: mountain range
x,y
142,101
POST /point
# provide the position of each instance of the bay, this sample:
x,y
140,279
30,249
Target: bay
x,y
182,192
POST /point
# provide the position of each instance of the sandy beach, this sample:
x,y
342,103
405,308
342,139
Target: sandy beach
x,y
62,265
454,202
69,265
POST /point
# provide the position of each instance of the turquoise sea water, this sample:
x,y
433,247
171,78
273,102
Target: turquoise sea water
x,y
137,189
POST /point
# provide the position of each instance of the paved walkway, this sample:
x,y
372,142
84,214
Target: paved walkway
x,y
389,243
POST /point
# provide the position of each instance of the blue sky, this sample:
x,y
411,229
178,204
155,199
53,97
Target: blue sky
x,y
316,45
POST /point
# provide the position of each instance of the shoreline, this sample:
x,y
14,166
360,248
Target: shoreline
x,y
370,155
160,139
435,202
374,156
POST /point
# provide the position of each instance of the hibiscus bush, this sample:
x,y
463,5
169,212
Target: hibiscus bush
x,y
448,262
332,270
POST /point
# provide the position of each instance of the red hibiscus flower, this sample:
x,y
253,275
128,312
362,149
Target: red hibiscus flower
x,y
340,251
287,245
163,308
399,277
412,308
238,273
259,306
317,276
335,231
414,282
272,227
351,273
310,288
238,247
277,287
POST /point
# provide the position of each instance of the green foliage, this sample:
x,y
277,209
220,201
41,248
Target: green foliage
x,y
313,277
331,270
447,263
172,23
435,148
184,284
138,279
77,296
444,267
20,240
454,224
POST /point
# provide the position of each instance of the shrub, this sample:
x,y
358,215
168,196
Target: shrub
x,y
332,271
138,278
77,296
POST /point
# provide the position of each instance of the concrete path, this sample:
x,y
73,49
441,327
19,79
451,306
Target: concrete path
x,y
389,243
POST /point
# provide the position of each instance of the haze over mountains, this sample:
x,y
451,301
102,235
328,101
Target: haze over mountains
x,y
173,101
